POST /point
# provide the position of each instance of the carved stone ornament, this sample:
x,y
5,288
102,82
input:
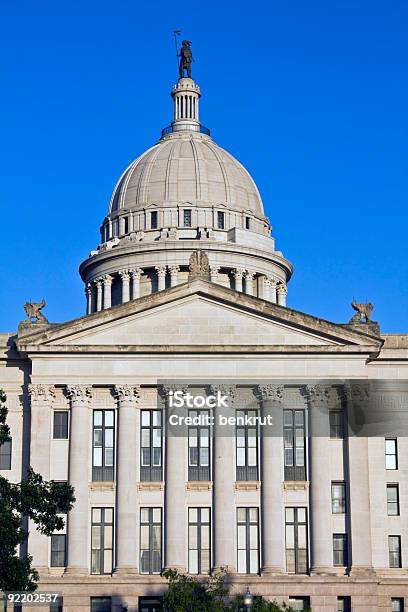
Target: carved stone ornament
x,y
33,311
270,393
41,393
319,394
79,393
199,266
127,393
363,313
229,390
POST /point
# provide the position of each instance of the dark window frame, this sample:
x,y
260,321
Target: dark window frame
x,y
153,219
199,471
342,501
248,523
393,503
336,424
60,431
393,454
6,452
151,524
340,553
100,552
220,219
296,524
294,468
345,600
101,608
394,554
401,604
246,472
187,217
200,524
60,537
247,223
57,605
149,470
104,472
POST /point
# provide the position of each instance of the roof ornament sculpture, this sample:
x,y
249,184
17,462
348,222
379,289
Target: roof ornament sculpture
x,y
199,266
363,314
33,311
185,55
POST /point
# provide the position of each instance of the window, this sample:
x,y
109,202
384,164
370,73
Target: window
x,y
199,538
246,447
344,604
248,540
101,604
391,457
340,550
153,219
58,550
394,550
296,540
220,220
336,424
393,500
60,425
294,444
150,540
125,225
338,495
103,445
199,447
57,605
151,433
247,222
397,604
102,541
187,217
150,604
299,603
5,455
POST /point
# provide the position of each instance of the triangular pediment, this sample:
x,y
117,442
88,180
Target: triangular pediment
x,y
199,314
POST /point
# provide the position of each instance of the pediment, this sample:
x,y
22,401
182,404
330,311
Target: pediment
x,y
199,314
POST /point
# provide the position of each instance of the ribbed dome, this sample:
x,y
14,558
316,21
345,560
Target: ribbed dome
x,y
186,167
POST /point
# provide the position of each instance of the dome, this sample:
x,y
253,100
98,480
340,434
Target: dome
x,y
186,167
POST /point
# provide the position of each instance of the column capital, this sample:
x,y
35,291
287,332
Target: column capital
x,y
174,269
229,390
270,393
238,272
41,394
321,395
124,274
88,289
127,394
161,270
249,275
107,280
281,288
136,272
78,394
98,281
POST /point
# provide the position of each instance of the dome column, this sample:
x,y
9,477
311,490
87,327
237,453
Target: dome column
x,y
238,274
273,283
90,298
174,270
107,291
136,273
161,275
281,293
125,276
98,284
249,283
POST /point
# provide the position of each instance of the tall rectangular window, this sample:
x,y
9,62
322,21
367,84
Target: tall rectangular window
x,y
126,225
344,604
393,508
391,456
394,550
297,604
102,541
246,446
60,429
199,446
101,604
296,540
220,220
340,550
151,540
103,445
248,540
57,605
336,424
5,455
294,444
151,439
397,604
338,496
199,541
247,223
58,550
153,219
187,217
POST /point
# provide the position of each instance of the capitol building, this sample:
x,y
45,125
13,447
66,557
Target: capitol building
x,y
186,291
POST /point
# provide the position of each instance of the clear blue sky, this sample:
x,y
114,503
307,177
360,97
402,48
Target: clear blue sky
x,y
311,97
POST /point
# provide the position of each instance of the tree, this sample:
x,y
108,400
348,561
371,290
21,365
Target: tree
x,y
33,498
189,594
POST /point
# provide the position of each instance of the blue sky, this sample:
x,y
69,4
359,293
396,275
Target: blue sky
x,y
311,97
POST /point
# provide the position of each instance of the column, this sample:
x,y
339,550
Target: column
x,y
175,490
249,283
98,284
238,274
125,276
161,275
174,270
224,512
214,273
272,293
136,274
41,398
266,289
281,293
320,398
359,484
90,305
107,291
78,476
127,398
272,503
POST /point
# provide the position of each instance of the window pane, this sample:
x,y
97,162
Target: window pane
x,y
108,541
240,457
252,456
109,437
241,515
144,537
253,515
242,561
301,512
241,536
107,561
192,515
144,515
193,561
156,515
96,537
156,418
108,457
290,515
97,437
157,438
145,418
253,562
205,515
97,457
97,417
193,537
204,457
109,418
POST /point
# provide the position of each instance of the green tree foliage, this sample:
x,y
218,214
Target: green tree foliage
x,y
190,594
33,498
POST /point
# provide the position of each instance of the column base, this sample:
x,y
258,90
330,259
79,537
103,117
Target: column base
x,y
179,568
322,570
76,571
125,571
272,570
362,572
224,568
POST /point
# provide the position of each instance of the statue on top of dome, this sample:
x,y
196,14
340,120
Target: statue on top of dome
x,y
186,58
